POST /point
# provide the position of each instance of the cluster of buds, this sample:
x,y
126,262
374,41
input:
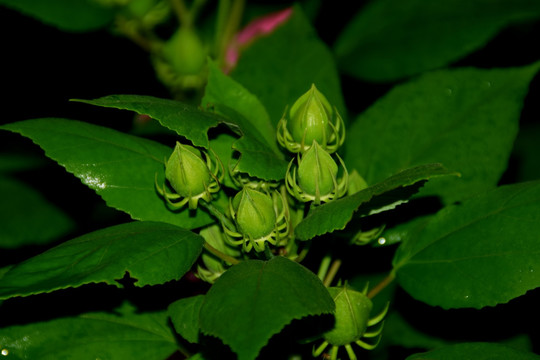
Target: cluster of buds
x,y
193,175
314,130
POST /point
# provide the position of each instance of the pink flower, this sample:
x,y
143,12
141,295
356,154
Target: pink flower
x,y
255,29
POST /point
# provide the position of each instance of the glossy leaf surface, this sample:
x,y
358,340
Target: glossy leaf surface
x,y
255,299
27,217
67,15
184,315
392,39
152,253
484,251
466,119
121,168
296,58
127,335
475,351
184,119
336,214
261,156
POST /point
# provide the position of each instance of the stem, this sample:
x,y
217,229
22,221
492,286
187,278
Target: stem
x,y
323,268
182,13
229,18
381,285
133,34
267,252
332,273
221,255
218,214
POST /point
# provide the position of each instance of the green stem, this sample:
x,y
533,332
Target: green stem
x,y
267,252
218,214
229,17
323,268
182,13
227,258
381,285
332,273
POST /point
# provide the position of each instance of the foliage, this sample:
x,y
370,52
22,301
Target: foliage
x,y
423,198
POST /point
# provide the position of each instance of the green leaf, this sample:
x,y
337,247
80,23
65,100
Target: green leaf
x,y
475,351
466,119
336,214
280,67
222,89
121,168
261,156
27,218
392,39
399,332
67,15
184,314
485,251
124,335
255,299
184,119
151,252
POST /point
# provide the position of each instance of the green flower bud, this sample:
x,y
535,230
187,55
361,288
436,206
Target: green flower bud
x,y
352,315
191,177
353,324
185,52
311,118
259,217
181,62
317,172
317,177
255,214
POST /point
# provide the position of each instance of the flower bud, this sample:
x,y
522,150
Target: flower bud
x,y
311,118
185,52
255,214
317,177
191,177
352,315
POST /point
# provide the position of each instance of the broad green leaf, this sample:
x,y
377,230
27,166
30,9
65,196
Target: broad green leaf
x,y
121,168
67,15
466,119
280,67
255,299
27,218
485,251
392,39
261,156
475,351
398,332
194,124
222,89
184,119
127,335
526,150
336,214
152,253
184,315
